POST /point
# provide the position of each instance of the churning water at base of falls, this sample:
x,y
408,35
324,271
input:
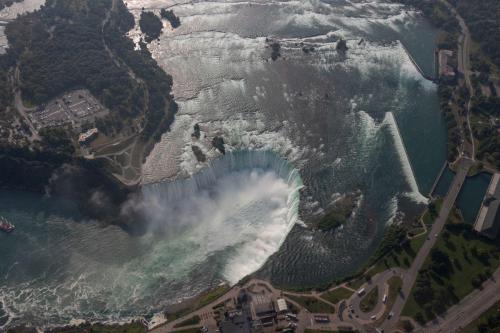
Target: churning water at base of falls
x,y
219,225
365,121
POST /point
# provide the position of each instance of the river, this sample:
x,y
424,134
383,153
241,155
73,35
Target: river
x,y
314,124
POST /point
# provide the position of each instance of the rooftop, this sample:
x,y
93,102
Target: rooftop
x,y
488,219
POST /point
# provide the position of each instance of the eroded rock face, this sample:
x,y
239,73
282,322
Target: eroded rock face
x,y
342,46
196,131
218,142
198,153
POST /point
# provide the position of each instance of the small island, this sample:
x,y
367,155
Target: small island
x,y
339,212
342,46
169,15
150,25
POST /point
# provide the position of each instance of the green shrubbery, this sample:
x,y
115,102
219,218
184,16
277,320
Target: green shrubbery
x,y
169,15
150,25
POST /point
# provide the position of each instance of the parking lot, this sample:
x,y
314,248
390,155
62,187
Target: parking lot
x,y
75,108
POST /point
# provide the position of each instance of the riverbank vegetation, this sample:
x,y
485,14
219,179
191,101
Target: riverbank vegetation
x,y
134,327
150,25
339,213
82,44
312,304
194,320
481,18
202,300
169,15
398,247
70,44
336,295
459,263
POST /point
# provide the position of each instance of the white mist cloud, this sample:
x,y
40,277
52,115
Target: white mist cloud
x,y
242,216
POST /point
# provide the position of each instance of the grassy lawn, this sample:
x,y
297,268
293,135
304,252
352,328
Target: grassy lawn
x,y
369,302
487,322
337,295
212,295
397,255
395,284
356,284
188,322
312,304
203,300
432,213
401,258
459,262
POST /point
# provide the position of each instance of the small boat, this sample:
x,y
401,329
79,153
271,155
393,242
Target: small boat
x,y
5,225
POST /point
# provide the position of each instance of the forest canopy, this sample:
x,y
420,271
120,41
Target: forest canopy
x,y
82,43
150,25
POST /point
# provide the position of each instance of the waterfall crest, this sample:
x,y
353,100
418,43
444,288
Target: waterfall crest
x,y
238,211
169,191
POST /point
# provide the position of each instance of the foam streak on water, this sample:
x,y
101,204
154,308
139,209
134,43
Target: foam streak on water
x,y
403,156
219,225
245,203
314,116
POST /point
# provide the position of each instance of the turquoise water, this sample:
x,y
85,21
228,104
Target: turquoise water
x,y
220,225
444,183
366,123
471,196
423,129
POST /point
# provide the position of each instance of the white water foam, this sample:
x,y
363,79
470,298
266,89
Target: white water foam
x,y
415,194
245,203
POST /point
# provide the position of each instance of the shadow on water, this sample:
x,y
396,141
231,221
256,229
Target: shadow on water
x,y
471,196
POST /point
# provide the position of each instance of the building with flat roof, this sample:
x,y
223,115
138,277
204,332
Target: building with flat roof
x,y
445,70
88,136
488,219
263,306
282,306
235,323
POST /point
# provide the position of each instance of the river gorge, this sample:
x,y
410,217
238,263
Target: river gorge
x,y
299,131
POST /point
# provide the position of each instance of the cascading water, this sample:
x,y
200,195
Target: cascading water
x,y
245,202
219,225
350,122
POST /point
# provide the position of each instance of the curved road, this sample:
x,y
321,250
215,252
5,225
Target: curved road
x,y
378,281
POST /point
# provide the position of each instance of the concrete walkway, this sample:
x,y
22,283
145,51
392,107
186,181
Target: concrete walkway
x,y
463,166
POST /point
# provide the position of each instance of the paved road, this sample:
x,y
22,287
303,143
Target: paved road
x,y
470,308
463,166
464,66
23,111
169,327
380,281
